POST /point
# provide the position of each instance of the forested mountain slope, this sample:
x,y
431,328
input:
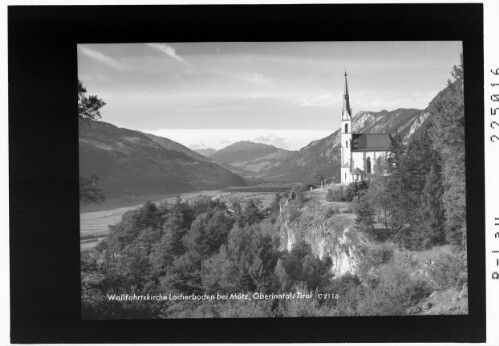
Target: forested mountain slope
x,y
130,162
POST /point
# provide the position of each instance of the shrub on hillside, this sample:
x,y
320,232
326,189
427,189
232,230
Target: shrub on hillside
x,y
294,213
393,293
380,255
356,189
330,212
375,257
336,195
449,270
344,283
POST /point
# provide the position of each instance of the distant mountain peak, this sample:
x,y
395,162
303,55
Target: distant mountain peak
x,y
249,144
324,154
250,155
205,151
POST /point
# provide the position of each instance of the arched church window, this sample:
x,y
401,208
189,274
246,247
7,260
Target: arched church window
x,y
368,164
346,128
346,143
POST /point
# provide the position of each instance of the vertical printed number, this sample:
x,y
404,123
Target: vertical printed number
x,y
493,110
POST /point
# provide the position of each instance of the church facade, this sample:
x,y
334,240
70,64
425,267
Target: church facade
x,y
361,153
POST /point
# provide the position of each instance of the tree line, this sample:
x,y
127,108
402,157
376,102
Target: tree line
x,y
193,248
200,247
422,201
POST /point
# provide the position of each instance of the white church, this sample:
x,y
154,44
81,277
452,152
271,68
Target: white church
x,y
360,152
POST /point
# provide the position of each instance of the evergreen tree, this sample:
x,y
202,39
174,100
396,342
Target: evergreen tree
x,y
432,209
88,105
89,191
447,135
174,233
88,110
282,280
177,222
395,187
416,164
208,232
379,198
220,273
264,260
365,216
252,214
184,275
132,223
357,189
162,256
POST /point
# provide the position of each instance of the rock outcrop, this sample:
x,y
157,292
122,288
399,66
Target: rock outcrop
x,y
334,237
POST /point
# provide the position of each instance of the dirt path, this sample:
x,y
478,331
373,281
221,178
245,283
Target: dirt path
x,y
320,196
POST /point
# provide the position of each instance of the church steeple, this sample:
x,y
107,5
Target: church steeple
x,y
346,137
346,101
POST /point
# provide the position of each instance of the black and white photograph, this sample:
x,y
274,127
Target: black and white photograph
x,y
251,173
272,179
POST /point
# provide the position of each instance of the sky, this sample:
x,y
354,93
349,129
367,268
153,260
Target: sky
x,y
210,95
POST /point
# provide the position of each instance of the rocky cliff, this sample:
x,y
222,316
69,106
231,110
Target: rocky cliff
x,y
332,236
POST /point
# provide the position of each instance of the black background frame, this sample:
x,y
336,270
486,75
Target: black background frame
x,y
43,151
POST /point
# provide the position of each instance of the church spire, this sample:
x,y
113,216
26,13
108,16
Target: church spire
x,y
346,101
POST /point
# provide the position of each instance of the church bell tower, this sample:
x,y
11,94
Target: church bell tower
x,y
346,136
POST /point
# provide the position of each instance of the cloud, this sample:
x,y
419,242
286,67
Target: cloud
x,y
321,100
170,51
273,139
290,139
253,77
102,58
249,77
199,145
377,102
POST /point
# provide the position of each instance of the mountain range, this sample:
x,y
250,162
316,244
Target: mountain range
x,y
253,158
129,162
206,151
273,164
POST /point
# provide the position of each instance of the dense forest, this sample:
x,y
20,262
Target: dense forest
x,y
197,250
424,192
